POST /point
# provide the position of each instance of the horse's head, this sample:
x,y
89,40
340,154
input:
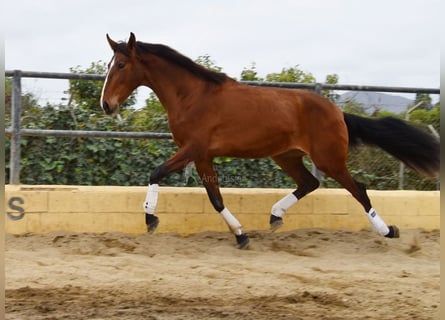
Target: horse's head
x,y
122,77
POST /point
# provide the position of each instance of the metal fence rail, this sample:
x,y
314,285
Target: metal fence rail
x,y
289,85
90,134
15,131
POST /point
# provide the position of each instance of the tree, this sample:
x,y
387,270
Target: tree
x,y
331,79
426,99
427,117
354,107
292,74
250,73
152,117
208,63
29,102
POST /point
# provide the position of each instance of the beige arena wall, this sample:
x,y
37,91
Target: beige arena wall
x,y
41,209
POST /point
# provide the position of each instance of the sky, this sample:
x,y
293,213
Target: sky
x,y
364,42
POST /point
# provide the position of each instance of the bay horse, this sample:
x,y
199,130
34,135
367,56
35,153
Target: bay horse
x,y
212,115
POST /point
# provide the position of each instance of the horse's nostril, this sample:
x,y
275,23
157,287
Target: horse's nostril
x,y
106,107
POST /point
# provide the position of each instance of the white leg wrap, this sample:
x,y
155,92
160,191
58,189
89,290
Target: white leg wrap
x,y
377,222
151,200
232,222
280,208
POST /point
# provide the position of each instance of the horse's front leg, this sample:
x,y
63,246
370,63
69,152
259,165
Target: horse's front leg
x,y
210,181
175,163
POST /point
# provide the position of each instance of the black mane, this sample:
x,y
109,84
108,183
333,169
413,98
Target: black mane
x,y
173,56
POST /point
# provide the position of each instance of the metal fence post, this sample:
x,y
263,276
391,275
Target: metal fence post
x,y
16,111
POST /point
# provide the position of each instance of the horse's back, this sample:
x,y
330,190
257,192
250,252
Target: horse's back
x,y
270,99
298,110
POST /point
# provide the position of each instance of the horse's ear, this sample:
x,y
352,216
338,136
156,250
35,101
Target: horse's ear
x,y
112,43
131,44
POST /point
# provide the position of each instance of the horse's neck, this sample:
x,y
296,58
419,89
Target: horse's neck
x,y
172,84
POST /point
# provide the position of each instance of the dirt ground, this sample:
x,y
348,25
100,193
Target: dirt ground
x,y
303,274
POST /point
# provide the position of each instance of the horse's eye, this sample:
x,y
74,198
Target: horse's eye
x,y
121,65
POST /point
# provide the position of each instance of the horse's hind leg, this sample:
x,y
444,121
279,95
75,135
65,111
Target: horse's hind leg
x,y
358,191
292,163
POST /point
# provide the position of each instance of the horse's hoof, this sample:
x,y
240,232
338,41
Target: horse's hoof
x,y
393,232
152,222
275,223
242,240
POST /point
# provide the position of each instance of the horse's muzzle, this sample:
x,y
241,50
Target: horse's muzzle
x,y
110,109
106,108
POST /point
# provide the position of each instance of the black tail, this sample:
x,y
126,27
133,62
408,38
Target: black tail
x,y
416,148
